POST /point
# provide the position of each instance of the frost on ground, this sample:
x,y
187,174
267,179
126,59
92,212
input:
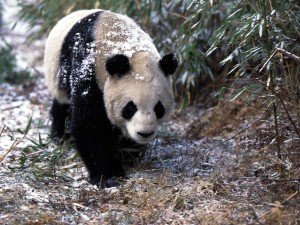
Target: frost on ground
x,y
202,181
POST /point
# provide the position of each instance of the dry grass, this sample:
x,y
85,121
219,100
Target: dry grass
x,y
208,180
157,193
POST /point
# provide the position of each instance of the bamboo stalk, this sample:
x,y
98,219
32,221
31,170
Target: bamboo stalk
x,y
272,79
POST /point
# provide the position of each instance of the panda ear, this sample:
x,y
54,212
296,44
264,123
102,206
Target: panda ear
x,y
117,65
168,64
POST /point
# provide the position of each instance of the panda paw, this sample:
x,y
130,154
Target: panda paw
x,y
59,139
108,183
110,176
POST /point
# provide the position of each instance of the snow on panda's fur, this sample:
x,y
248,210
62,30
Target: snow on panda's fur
x,y
106,75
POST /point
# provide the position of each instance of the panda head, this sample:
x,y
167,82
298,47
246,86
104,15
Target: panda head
x,y
138,93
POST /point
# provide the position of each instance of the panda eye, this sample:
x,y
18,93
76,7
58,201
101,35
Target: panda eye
x,y
129,110
159,110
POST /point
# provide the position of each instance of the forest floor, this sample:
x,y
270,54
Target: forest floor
x,y
209,165
194,173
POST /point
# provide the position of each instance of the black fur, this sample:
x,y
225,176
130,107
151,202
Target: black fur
x,y
59,113
129,110
169,64
77,46
118,65
95,137
159,110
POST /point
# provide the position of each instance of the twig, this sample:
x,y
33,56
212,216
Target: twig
x,y
276,125
12,147
291,55
2,130
155,193
79,205
267,61
11,107
17,141
237,134
290,197
272,85
278,205
280,180
287,113
285,109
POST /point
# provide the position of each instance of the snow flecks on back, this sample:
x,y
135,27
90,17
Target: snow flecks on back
x,y
124,36
78,57
82,66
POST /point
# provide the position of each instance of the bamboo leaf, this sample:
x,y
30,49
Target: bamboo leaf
x,y
28,126
227,59
20,131
256,92
234,68
211,50
185,102
234,13
220,93
261,27
237,95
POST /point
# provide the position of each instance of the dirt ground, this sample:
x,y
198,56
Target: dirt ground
x,y
187,176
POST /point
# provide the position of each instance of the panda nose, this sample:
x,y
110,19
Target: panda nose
x,y
145,135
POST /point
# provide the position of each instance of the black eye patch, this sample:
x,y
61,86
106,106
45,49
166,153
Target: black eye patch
x,y
118,65
129,110
159,110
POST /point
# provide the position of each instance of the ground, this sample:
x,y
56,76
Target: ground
x,y
179,180
214,165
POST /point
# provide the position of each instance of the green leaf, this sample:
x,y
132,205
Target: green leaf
x,y
256,92
261,27
40,140
185,102
233,14
28,126
220,93
20,131
210,50
238,94
228,59
233,69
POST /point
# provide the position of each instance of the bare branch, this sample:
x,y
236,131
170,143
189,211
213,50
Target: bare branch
x,y
291,55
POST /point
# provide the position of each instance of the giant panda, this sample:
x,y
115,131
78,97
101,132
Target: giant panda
x,y
105,74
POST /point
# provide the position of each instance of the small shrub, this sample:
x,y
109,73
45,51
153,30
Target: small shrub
x,y
9,71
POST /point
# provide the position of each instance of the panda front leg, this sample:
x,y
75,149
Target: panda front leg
x,y
94,137
59,112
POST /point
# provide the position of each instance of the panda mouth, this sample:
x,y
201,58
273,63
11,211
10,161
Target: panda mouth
x,y
144,137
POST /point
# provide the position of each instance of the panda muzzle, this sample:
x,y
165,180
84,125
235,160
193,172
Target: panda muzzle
x,y
145,135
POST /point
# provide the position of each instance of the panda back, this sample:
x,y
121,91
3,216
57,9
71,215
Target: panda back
x,y
53,52
80,44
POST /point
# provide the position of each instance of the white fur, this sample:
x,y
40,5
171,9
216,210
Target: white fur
x,y
145,93
118,34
